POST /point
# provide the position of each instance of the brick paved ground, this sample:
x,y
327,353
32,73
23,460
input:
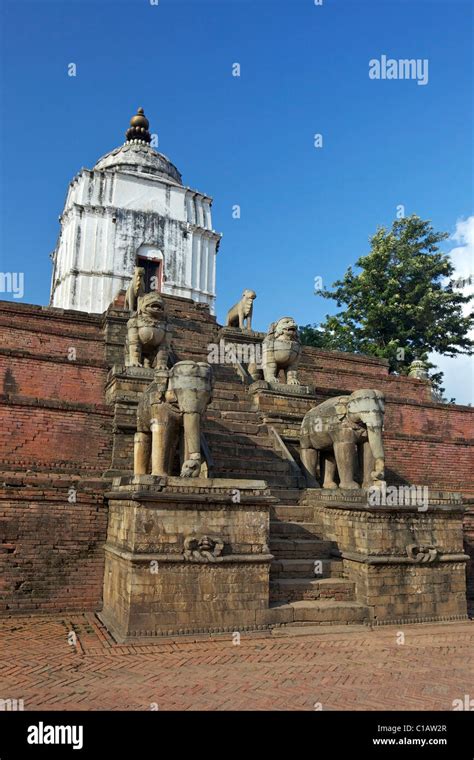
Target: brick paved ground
x,y
346,669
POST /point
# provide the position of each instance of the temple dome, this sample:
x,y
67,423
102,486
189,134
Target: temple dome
x,y
139,157
136,153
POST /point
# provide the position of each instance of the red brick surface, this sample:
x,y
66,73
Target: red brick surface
x,y
51,548
25,328
52,378
337,670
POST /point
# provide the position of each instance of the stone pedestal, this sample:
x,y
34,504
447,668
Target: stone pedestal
x,y
236,335
125,384
185,556
407,562
241,349
122,391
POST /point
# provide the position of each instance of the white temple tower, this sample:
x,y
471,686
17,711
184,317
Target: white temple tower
x,y
132,208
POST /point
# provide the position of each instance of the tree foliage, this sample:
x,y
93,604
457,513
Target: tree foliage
x,y
401,305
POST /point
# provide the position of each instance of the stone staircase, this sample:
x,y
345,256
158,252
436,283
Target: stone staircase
x,y
307,584
241,444
306,574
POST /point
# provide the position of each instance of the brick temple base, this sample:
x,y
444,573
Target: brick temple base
x,y
186,556
407,562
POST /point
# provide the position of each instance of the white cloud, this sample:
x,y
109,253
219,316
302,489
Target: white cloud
x,y
459,370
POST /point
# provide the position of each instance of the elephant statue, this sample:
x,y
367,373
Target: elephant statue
x,y
340,428
173,402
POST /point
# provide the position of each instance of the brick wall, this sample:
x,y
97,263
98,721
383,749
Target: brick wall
x,y
337,372
52,533
56,431
52,375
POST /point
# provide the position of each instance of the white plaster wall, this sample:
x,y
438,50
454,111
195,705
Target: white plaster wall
x,y
109,216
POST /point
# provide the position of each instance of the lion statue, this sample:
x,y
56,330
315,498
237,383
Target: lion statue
x,y
240,315
135,290
281,351
148,334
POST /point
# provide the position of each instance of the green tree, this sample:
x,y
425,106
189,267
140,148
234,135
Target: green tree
x,y
401,305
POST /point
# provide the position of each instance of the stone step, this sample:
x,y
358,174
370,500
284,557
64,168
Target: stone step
x,y
295,589
224,389
227,373
305,568
291,512
252,429
290,495
279,479
231,405
316,629
329,611
303,548
230,392
255,464
250,457
233,384
287,529
240,415
233,472
229,447
239,451
292,492
230,440
273,469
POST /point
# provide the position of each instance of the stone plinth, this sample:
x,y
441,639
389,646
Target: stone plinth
x,y
237,335
125,384
185,556
407,562
122,391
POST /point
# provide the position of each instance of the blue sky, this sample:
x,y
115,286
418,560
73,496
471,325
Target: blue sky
x,y
305,211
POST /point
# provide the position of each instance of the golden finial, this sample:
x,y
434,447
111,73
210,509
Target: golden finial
x,y
138,130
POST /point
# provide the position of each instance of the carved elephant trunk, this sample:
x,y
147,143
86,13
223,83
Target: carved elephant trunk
x,y
191,383
177,397
375,441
